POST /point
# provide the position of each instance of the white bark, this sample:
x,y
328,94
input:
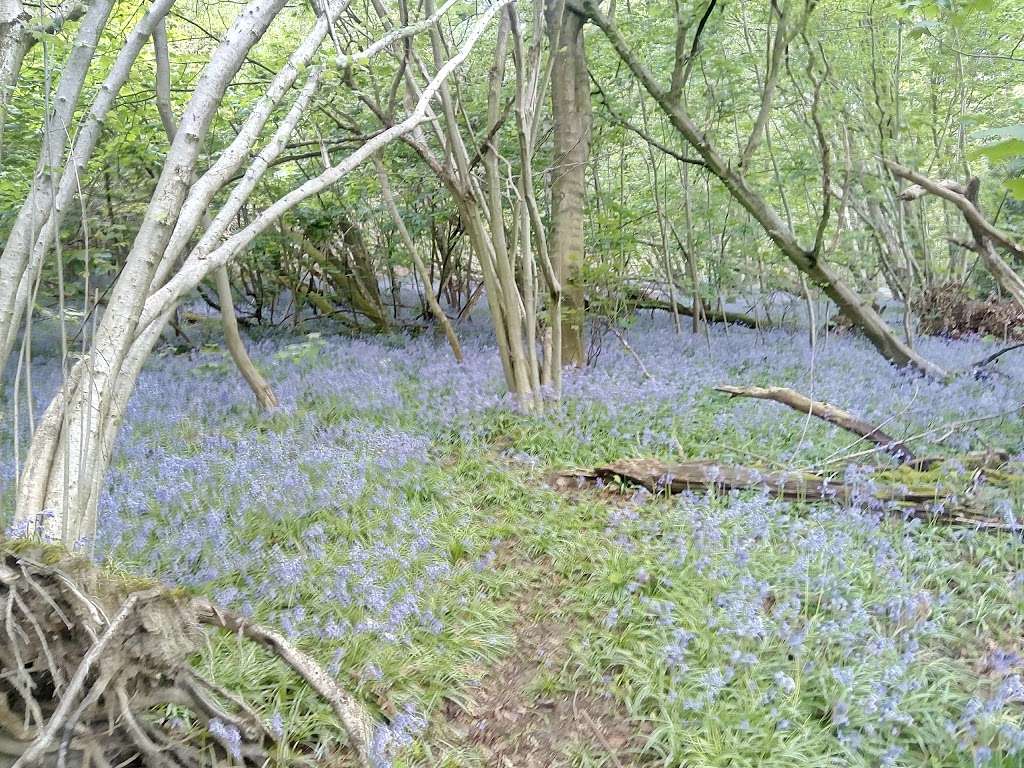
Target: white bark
x,y
201,261
13,27
69,467
232,158
38,202
86,139
261,389
77,458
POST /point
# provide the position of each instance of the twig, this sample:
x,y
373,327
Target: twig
x,y
357,722
826,412
996,355
949,428
631,351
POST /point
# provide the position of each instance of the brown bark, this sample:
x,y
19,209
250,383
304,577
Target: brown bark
x,y
638,301
570,111
236,346
704,474
428,289
826,412
985,235
365,293
89,660
806,260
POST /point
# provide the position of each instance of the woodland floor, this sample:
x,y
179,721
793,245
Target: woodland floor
x,y
395,517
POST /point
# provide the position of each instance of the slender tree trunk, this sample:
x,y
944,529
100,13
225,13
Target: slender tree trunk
x,y
261,389
71,466
570,112
421,268
857,309
236,346
39,202
13,36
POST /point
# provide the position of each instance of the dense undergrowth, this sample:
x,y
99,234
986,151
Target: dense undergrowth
x,y
385,514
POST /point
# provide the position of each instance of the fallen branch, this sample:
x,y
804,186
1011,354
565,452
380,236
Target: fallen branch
x,y
712,313
925,502
959,196
825,412
996,355
632,352
358,723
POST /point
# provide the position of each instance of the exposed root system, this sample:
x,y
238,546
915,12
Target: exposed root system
x,y
96,672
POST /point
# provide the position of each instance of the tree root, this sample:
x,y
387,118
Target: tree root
x,y
91,666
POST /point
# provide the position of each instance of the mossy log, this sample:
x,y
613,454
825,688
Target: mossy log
x,y
925,500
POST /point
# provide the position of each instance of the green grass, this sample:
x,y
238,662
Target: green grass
x,y
622,578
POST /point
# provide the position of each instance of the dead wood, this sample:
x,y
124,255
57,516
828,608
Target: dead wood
x,y
639,300
948,310
996,355
826,412
987,459
926,501
91,662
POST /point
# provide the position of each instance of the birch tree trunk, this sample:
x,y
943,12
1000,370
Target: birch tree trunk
x,y
261,389
39,202
71,449
76,458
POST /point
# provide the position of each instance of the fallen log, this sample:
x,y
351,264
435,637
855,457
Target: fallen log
x,y
826,412
638,299
721,315
704,475
988,459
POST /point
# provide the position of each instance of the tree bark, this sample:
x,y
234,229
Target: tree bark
x,y
38,203
421,269
857,309
261,389
984,233
826,412
571,116
88,134
76,461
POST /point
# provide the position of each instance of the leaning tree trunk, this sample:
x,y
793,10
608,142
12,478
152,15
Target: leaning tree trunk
x,y
64,468
860,312
570,112
71,448
38,203
261,389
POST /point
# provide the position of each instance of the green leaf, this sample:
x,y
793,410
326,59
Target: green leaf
x,y
1002,150
1004,132
1016,187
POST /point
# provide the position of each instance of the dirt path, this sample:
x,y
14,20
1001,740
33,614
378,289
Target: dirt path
x,y
522,716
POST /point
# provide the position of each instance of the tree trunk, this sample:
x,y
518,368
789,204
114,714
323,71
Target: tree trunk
x,y
236,346
261,389
421,268
853,306
38,203
70,465
71,448
570,111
